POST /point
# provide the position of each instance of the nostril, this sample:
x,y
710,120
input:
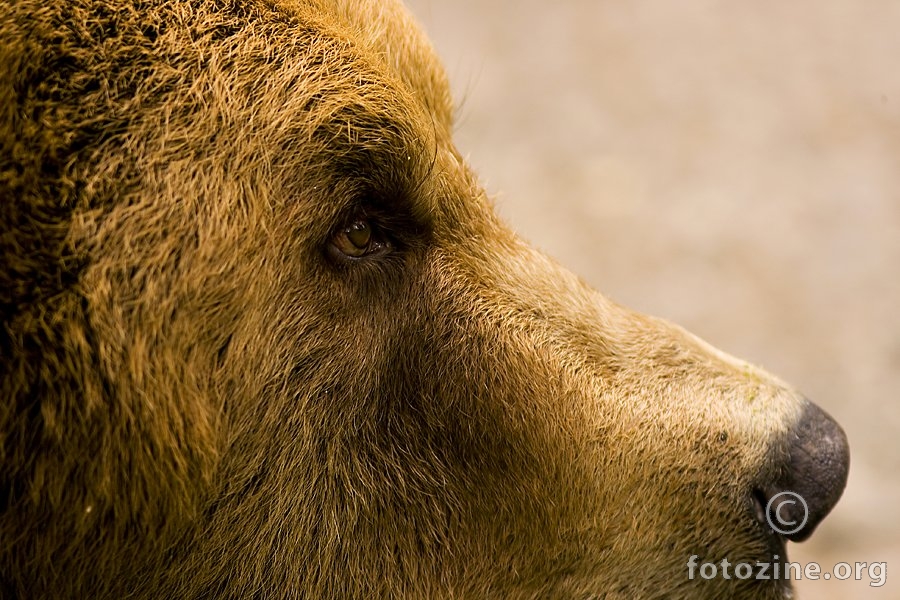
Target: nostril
x,y
759,504
812,477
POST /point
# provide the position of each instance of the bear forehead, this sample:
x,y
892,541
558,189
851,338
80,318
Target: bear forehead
x,y
283,89
389,33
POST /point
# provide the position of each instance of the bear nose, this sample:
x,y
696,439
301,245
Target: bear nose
x,y
812,480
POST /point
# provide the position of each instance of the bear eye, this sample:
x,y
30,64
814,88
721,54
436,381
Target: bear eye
x,y
359,239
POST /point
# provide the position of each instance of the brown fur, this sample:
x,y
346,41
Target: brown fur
x,y
198,401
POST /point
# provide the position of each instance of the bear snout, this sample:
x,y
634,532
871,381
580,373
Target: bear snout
x,y
811,478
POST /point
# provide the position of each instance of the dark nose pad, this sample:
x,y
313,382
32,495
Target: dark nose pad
x,y
812,480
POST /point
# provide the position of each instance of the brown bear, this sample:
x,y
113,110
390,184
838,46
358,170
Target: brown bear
x,y
263,337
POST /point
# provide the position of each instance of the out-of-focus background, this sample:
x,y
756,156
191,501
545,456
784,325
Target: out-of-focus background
x,y
732,166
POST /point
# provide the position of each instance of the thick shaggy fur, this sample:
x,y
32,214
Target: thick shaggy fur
x,y
200,399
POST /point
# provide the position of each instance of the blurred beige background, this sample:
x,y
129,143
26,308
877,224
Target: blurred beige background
x,y
732,166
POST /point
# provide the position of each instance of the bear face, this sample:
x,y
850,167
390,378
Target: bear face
x,y
263,336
